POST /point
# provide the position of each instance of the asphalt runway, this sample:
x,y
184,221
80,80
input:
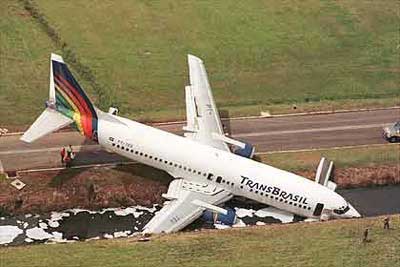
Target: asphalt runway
x,y
267,134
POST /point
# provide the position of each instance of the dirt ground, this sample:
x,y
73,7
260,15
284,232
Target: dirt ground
x,y
362,176
128,185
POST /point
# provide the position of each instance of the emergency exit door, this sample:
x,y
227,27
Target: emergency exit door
x,y
318,209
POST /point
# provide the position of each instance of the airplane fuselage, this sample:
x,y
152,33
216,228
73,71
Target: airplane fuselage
x,y
184,158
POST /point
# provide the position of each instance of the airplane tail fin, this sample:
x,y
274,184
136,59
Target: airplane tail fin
x,y
67,104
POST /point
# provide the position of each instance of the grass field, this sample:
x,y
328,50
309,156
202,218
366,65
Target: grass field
x,y
259,54
24,66
334,243
365,156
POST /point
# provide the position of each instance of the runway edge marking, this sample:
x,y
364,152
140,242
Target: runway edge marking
x,y
322,148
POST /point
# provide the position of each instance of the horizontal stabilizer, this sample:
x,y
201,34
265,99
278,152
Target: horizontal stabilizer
x,y
228,140
49,121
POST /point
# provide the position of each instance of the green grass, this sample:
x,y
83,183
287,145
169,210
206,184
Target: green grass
x,y
258,53
335,243
3,177
367,156
24,65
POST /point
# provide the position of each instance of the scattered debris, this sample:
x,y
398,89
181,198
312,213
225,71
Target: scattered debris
x,y
8,233
3,131
18,184
38,233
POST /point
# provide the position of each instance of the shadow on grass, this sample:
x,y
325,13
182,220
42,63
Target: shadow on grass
x,y
225,120
64,176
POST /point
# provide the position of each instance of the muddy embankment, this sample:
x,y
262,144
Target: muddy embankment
x,y
132,185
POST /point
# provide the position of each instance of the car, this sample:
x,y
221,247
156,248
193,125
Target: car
x,y
392,133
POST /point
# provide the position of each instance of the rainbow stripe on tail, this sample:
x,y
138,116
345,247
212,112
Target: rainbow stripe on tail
x,y
70,99
67,104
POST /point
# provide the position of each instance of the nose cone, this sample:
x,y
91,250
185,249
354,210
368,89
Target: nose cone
x,y
352,212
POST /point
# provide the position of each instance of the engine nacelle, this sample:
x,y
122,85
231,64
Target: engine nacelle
x,y
214,217
247,151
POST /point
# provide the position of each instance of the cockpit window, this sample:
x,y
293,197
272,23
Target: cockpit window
x,y
342,210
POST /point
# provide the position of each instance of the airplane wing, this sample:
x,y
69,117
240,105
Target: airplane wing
x,y
187,201
203,122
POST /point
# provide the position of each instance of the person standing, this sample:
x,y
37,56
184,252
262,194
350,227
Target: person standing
x,y
70,152
365,235
386,222
69,156
62,154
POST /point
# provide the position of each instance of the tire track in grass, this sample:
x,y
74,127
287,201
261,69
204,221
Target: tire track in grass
x,y
84,71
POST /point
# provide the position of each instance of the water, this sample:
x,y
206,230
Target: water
x,y
77,224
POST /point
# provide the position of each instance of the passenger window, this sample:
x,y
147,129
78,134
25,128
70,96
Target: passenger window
x,y
210,176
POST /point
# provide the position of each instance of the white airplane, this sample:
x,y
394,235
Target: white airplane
x,y
207,173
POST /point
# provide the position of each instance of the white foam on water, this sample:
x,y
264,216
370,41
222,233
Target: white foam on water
x,y
108,236
221,226
76,211
283,216
8,233
125,212
57,236
54,224
107,209
43,225
56,216
37,233
151,210
130,210
239,223
240,213
121,234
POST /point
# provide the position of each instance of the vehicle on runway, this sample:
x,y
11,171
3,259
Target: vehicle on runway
x,y
392,133
207,173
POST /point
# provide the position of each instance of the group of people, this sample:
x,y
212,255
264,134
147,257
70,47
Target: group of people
x,y
67,156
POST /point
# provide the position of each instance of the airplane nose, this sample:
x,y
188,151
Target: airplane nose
x,y
353,213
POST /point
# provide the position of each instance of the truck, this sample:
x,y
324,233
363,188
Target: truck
x,y
392,133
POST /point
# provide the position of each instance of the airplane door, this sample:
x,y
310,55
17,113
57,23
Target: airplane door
x,y
318,209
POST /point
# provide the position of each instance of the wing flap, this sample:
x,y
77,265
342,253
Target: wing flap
x,y
202,115
187,201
